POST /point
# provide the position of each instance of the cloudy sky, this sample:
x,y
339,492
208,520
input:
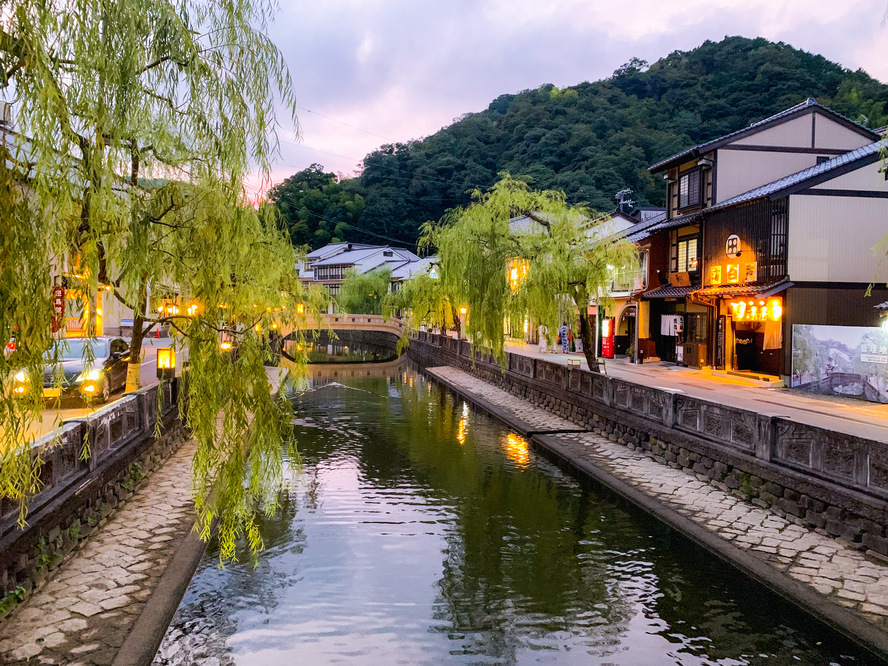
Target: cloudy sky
x,y
368,72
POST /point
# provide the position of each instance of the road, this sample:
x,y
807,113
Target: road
x,y
854,417
53,418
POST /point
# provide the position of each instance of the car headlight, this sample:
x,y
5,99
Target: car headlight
x,y
89,376
21,377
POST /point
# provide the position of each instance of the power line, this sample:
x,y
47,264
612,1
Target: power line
x,y
428,179
315,113
362,230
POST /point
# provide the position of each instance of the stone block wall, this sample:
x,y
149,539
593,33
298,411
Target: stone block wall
x,y
826,480
80,491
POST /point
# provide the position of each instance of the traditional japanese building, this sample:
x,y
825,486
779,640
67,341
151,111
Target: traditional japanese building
x,y
767,227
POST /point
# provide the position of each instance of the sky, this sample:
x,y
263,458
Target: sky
x,y
369,72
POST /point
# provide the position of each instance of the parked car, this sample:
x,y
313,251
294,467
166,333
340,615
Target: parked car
x,y
87,368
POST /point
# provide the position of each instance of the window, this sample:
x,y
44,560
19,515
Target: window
x,y
328,273
686,255
333,289
696,329
689,189
388,253
822,158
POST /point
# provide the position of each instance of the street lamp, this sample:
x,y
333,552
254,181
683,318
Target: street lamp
x,y
166,363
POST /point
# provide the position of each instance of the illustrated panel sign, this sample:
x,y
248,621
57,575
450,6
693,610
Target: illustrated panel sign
x,y
849,361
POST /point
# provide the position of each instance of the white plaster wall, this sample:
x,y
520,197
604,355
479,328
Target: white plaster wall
x,y
868,178
831,239
795,133
743,170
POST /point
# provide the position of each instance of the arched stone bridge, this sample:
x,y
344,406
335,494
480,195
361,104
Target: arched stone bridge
x,y
371,333
354,322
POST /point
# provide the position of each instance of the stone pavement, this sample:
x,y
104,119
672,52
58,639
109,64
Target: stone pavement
x,y
85,611
854,417
836,571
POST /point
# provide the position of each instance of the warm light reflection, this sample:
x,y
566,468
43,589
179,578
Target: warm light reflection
x,y
461,432
517,450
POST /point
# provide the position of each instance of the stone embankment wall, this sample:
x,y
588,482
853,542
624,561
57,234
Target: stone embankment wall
x,y
79,492
830,481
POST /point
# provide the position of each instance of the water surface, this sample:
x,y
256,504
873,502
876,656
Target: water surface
x,y
421,532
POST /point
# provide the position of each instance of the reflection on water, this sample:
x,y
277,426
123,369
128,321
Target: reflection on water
x,y
420,531
338,351
517,449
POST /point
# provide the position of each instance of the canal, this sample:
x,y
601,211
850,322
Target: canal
x,y
417,530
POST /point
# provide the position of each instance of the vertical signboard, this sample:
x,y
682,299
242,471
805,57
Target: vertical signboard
x,y
607,338
58,308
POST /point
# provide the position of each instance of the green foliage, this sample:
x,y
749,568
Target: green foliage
x,y
315,208
423,300
563,258
139,121
594,139
364,293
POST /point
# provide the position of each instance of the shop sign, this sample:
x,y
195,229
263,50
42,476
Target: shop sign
x,y
607,338
58,308
756,309
732,246
735,273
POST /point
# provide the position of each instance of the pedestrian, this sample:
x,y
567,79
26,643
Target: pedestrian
x,y
542,331
562,336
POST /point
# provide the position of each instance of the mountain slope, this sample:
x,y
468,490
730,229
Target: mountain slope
x,y
589,140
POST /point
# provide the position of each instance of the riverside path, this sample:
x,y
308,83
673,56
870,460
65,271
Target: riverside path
x,y
89,606
854,417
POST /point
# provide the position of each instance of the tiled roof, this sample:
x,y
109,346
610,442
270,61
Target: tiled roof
x,y
410,269
882,306
799,177
751,289
809,103
337,248
668,291
354,256
679,221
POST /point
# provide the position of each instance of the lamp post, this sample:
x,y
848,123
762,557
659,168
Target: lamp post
x,y
166,363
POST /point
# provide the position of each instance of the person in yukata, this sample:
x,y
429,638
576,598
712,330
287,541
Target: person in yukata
x,y
542,332
562,334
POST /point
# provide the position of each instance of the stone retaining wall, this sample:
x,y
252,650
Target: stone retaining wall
x,y
80,492
830,481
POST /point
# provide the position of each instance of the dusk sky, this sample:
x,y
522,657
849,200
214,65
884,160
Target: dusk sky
x,y
400,70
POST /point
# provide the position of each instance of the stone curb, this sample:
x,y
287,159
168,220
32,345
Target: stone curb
x,y
837,618
150,627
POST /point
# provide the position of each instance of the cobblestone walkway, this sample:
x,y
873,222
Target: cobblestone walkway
x,y
84,613
832,568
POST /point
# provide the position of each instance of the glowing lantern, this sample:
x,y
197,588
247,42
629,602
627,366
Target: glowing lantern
x,y
166,363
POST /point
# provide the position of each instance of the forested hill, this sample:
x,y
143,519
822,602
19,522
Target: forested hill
x,y
590,140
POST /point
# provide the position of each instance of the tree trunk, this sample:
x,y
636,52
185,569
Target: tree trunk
x,y
134,369
587,332
587,335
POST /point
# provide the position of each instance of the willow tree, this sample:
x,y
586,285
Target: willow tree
x,y
516,253
423,300
137,122
363,293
